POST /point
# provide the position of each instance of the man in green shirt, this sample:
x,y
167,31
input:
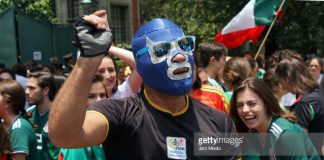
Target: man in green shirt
x,y
40,93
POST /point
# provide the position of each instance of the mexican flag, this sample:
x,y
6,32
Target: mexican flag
x,y
249,23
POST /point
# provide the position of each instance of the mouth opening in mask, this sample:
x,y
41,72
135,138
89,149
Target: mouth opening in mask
x,y
181,70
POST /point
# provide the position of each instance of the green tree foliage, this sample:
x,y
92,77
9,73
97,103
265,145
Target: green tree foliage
x,y
40,9
202,18
301,29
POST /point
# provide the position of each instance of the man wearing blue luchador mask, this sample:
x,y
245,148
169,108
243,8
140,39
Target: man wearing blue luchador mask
x,y
164,57
161,121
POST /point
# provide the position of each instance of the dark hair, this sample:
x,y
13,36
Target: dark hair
x,y
50,67
19,69
197,83
270,78
2,66
297,74
236,69
13,93
247,54
6,70
59,81
30,63
280,55
45,79
4,140
270,101
318,59
211,49
322,86
37,68
58,66
253,63
260,61
99,78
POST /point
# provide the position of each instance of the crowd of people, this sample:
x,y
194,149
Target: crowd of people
x,y
177,91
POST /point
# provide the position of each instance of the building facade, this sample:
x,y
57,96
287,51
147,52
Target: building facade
x,y
123,15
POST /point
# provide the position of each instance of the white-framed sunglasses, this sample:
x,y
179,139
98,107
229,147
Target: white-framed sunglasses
x,y
158,50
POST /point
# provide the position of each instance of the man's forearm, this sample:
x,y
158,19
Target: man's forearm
x,y
69,107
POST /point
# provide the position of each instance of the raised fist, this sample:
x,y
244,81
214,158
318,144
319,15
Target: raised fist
x,y
92,34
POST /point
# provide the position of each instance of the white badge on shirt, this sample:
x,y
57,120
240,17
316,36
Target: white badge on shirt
x,y
176,147
45,129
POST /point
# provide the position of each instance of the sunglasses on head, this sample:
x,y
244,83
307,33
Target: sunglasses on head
x,y
185,44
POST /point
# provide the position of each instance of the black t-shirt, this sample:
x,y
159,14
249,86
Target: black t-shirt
x,y
139,129
309,109
322,86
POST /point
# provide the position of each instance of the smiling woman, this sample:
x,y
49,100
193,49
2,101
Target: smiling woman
x,y
253,101
108,69
255,109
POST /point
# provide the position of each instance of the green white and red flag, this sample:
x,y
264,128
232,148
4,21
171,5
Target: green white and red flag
x,y
249,23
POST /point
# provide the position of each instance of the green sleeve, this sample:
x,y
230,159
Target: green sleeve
x,y
97,152
247,149
19,141
89,153
295,146
249,153
74,153
52,151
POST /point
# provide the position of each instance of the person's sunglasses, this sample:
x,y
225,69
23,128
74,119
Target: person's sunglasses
x,y
185,44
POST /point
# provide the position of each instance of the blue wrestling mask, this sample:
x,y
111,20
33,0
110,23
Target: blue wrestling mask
x,y
155,46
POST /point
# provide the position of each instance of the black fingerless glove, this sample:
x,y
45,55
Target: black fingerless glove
x,y
91,41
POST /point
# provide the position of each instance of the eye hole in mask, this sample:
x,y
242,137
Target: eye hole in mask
x,y
186,44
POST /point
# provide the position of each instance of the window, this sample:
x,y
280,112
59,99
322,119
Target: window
x,y
73,10
77,8
120,25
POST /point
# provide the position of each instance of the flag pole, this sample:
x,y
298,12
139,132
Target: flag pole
x,y
270,28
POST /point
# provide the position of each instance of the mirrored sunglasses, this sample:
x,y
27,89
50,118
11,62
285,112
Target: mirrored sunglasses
x,y
186,44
